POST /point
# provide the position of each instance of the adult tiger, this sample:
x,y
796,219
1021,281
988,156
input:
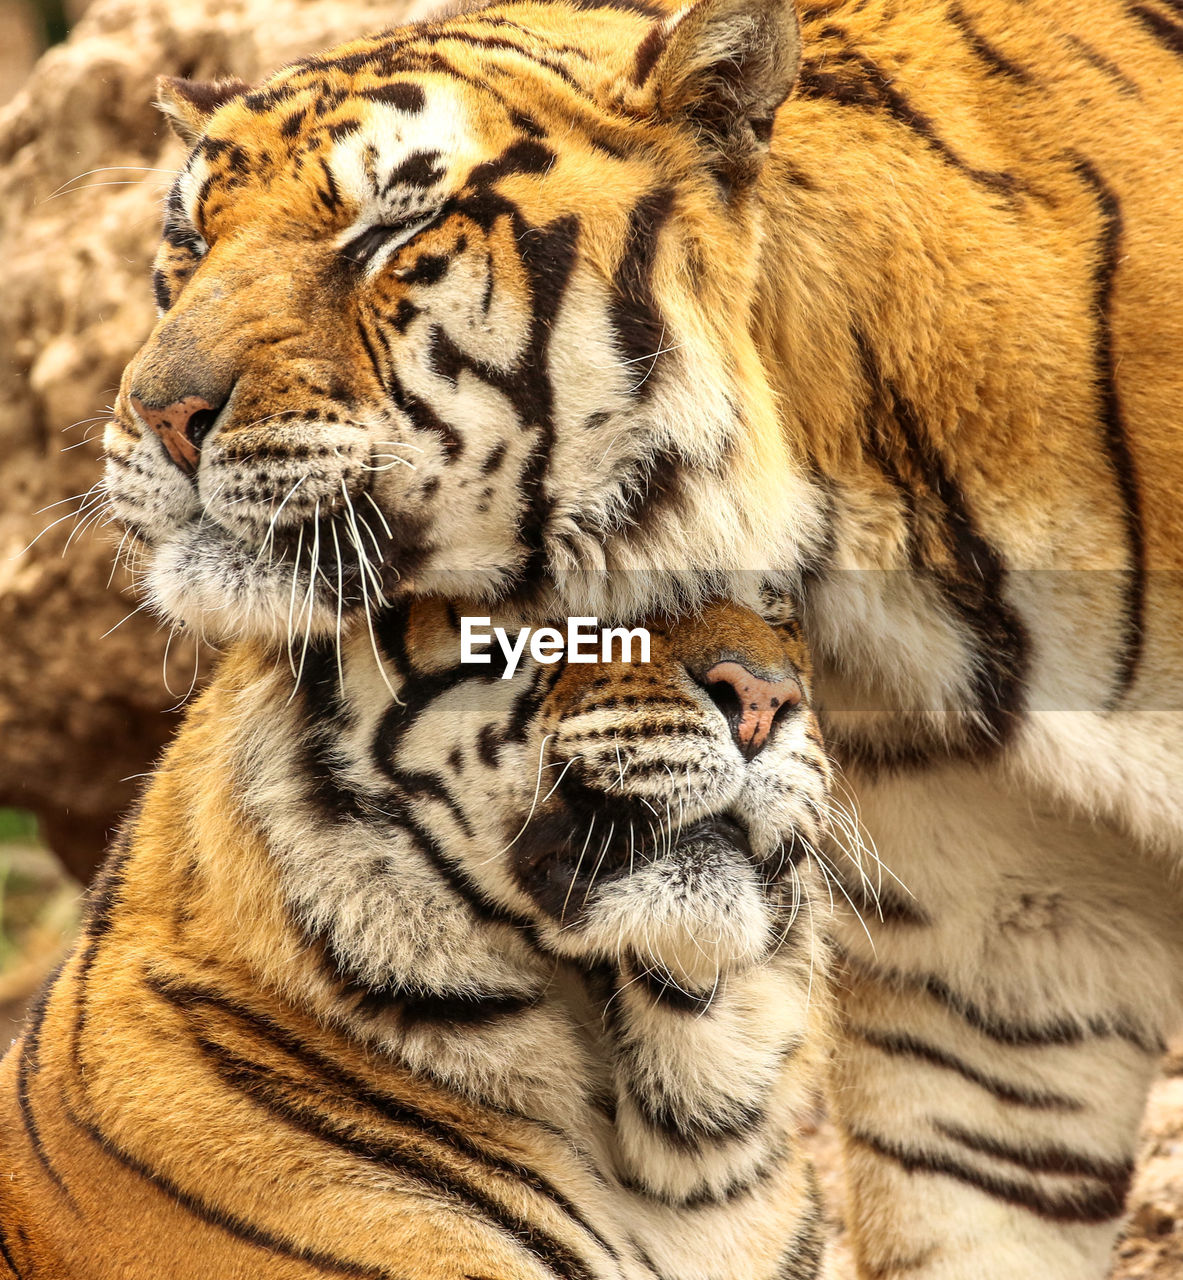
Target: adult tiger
x,y
505,979
903,345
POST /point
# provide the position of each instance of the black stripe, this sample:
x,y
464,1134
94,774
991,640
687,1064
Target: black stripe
x,y
189,997
234,1225
664,991
423,417
637,732
648,52
640,7
652,486
28,1064
803,1259
1105,66
548,256
481,905
1087,1204
6,1254
371,352
625,6
637,320
899,1044
541,58
403,94
996,62
431,786
1019,1035
691,1130
669,1115
325,718
419,169
1053,1159
330,197
973,588
102,900
160,290
708,1198
453,1009
330,792
880,902
419,1009
341,1082
1161,28
849,78
1113,423
637,1247
278,1094
420,693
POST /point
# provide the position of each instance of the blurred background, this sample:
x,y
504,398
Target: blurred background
x,y
27,29
39,899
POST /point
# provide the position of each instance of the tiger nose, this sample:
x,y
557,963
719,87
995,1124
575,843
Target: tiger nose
x,y
750,703
181,426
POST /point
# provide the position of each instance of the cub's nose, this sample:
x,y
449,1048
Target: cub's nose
x,y
751,703
181,426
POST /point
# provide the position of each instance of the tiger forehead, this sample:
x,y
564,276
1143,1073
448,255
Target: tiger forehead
x,y
334,159
722,631
433,98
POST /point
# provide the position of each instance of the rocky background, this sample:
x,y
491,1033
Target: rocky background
x,y
88,688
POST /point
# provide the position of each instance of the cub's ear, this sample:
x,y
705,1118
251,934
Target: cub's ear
x,y
723,67
190,103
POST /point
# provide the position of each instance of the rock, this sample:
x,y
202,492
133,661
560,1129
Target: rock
x,y
85,160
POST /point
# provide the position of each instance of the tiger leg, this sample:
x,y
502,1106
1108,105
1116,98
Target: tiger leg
x,y
1000,1026
710,1095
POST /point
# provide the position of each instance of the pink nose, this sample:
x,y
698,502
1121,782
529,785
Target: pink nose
x,y
759,702
182,426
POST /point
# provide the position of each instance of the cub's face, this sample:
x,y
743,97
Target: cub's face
x,y
656,816
462,307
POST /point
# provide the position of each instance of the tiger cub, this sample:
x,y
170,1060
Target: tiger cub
x,y
406,970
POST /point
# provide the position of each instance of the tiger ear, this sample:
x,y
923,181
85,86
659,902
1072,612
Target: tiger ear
x,y
724,67
190,103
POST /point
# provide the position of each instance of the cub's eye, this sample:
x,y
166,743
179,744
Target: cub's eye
x,y
364,248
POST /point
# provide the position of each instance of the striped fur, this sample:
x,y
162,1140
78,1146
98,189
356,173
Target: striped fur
x,y
882,306
351,1000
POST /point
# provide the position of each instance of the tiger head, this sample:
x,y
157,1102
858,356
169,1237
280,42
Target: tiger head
x,y
465,307
658,815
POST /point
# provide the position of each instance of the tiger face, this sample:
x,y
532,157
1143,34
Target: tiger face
x,y
656,817
464,307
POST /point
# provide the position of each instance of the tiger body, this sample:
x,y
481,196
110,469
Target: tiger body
x,y
328,1016
877,312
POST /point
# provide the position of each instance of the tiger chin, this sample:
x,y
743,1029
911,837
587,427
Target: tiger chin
x,y
406,970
